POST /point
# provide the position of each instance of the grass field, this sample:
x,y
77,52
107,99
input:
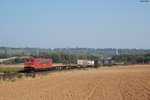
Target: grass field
x,y
11,68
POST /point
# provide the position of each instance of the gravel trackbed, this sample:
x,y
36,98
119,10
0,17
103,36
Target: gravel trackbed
x,y
107,83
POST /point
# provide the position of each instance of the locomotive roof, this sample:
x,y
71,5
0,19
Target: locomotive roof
x,y
36,58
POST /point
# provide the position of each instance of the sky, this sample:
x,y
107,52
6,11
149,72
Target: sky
x,y
75,23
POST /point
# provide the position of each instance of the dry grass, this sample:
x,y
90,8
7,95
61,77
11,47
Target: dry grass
x,y
13,65
13,68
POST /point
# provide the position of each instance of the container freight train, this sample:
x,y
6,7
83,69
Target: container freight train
x,y
35,64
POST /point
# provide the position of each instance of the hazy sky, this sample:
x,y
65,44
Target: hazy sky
x,y
75,23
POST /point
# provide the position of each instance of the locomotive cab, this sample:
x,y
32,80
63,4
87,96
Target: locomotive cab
x,y
29,64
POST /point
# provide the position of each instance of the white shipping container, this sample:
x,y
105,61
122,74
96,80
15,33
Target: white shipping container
x,y
85,62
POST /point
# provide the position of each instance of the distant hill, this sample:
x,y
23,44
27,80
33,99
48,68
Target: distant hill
x,y
9,51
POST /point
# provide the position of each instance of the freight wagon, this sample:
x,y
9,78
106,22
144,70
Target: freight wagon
x,y
33,64
104,62
85,63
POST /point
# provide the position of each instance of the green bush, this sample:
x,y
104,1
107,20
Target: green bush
x,y
8,72
14,61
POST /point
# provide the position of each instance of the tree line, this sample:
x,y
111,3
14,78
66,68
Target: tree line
x,y
66,58
8,51
133,58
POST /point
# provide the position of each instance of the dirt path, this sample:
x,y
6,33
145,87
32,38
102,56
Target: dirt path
x,y
115,83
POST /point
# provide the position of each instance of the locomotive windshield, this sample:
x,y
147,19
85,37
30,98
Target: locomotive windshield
x,y
29,60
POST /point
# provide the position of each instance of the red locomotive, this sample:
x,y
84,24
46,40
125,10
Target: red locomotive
x,y
33,64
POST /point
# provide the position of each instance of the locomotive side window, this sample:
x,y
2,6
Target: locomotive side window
x,y
31,60
43,61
